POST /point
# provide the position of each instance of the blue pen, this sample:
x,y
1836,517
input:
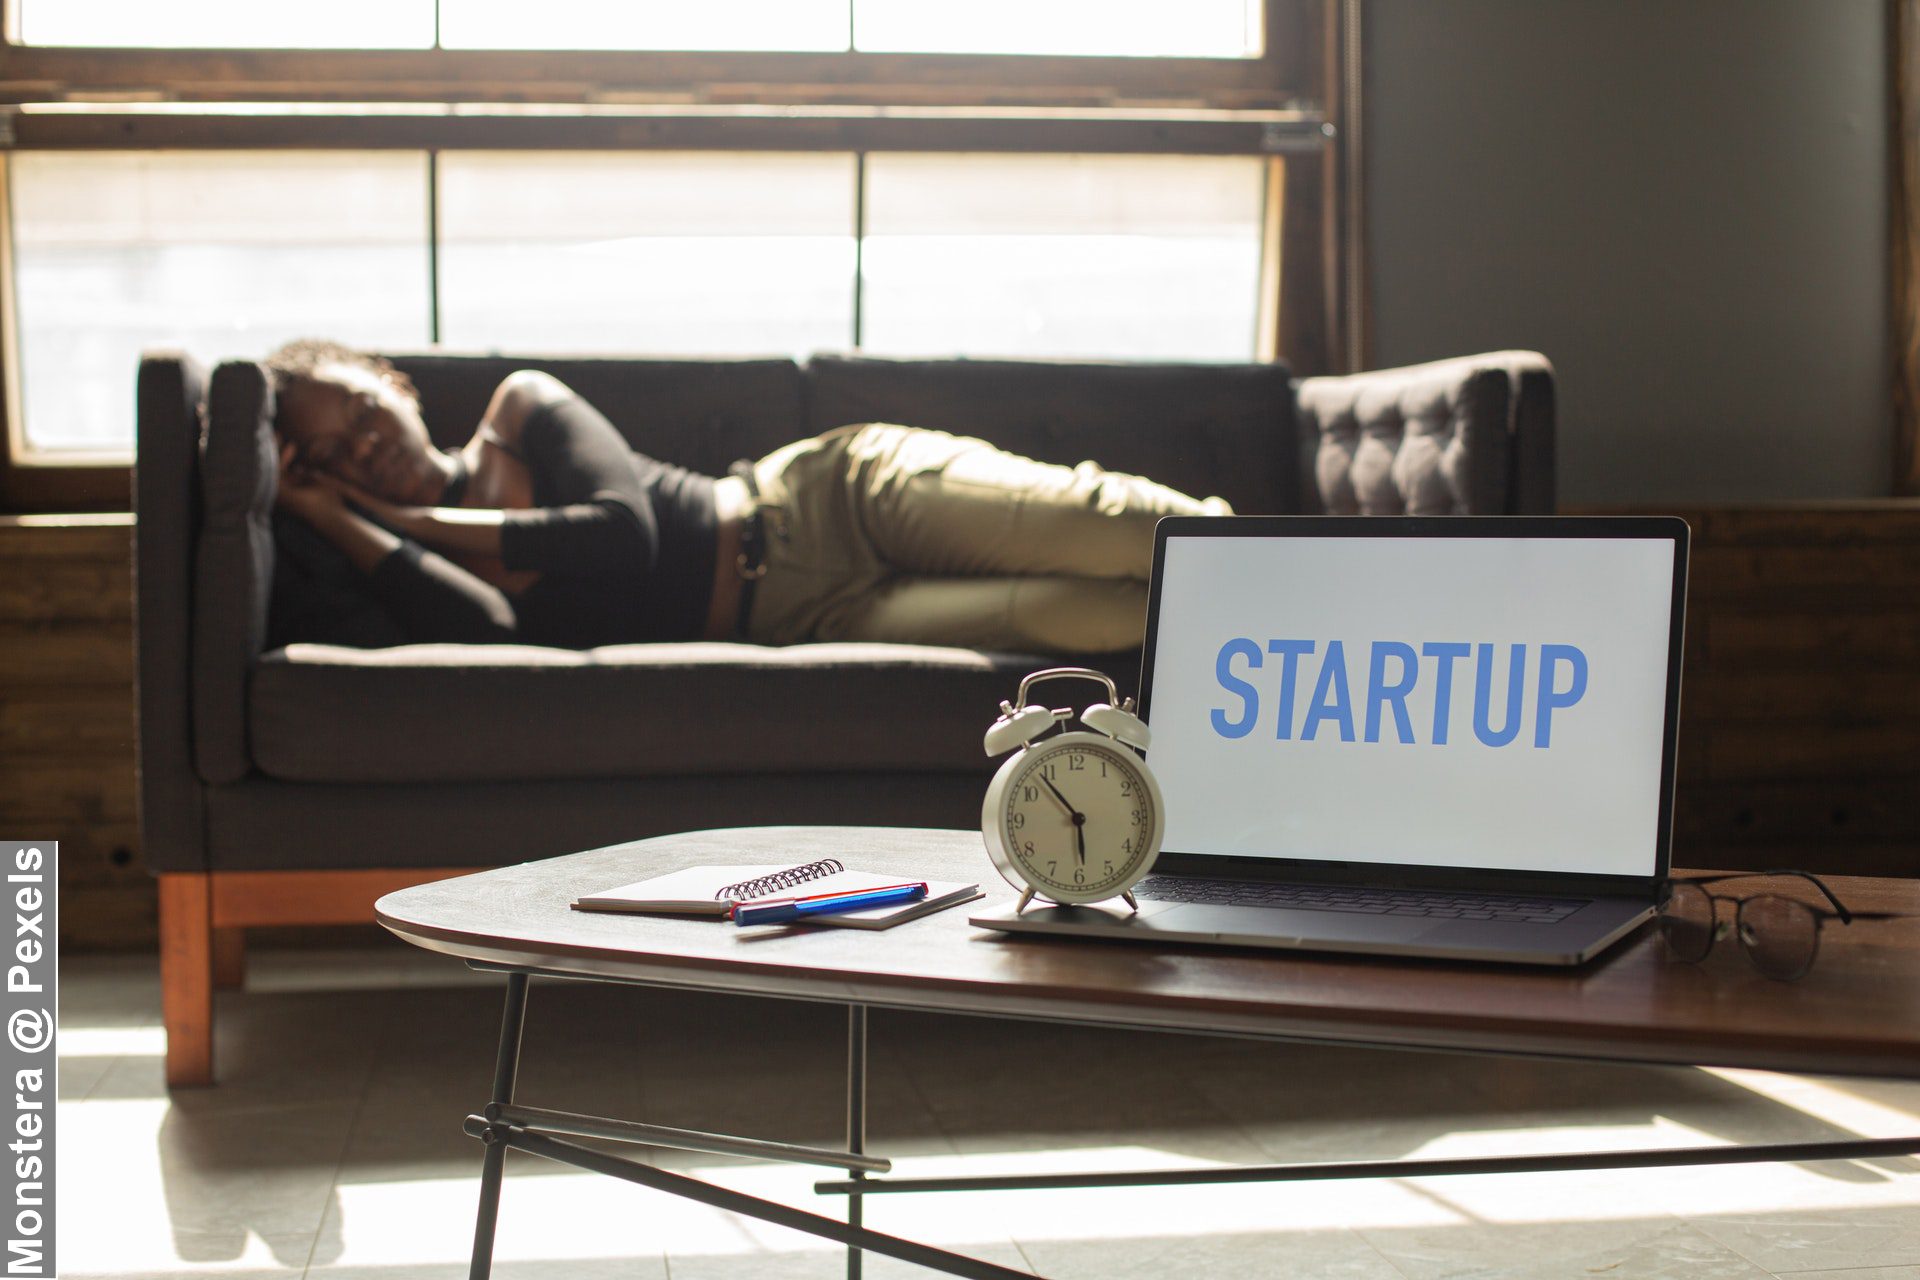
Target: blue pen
x,y
827,904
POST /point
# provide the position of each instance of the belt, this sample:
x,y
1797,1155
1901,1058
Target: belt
x,y
751,563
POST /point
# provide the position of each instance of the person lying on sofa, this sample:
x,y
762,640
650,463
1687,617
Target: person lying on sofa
x,y
547,528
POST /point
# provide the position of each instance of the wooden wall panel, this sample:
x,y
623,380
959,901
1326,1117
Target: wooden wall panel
x,y
66,719
1800,704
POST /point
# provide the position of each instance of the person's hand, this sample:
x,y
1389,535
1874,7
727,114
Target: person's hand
x,y
305,493
405,519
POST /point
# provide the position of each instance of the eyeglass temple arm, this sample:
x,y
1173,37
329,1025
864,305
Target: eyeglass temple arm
x,y
1846,916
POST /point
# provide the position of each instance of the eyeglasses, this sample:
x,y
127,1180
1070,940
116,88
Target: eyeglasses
x,y
1780,935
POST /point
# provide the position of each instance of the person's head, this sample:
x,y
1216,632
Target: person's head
x,y
354,416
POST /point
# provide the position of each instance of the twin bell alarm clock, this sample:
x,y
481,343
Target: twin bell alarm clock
x,y
1074,817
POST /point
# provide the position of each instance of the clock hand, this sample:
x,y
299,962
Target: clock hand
x,y
1079,819
1067,804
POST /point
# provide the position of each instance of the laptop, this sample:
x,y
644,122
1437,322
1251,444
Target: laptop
x,y
1448,737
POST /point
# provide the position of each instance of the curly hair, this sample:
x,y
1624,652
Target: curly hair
x,y
303,357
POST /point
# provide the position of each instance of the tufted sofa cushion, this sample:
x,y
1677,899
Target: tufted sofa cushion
x,y
1430,439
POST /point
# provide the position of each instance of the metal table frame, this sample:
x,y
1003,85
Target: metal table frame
x,y
505,1125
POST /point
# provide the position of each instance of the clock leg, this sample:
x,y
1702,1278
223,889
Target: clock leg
x,y
1126,895
1025,898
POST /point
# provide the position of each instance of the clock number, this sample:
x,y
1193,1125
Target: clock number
x,y
1029,794
1020,818
1079,875
1050,771
1127,844
1103,768
1126,786
1076,763
1109,870
1027,848
1051,866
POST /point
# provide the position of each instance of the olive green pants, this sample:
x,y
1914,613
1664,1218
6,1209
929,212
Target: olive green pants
x,y
901,534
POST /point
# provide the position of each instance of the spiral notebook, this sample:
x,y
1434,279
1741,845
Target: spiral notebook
x,y
709,892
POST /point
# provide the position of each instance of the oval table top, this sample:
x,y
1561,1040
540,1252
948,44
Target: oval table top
x,y
1857,1012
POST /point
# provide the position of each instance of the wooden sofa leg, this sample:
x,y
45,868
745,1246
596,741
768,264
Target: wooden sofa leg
x,y
229,958
186,976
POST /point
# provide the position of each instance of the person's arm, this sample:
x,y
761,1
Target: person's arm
x,y
463,530
432,598
606,525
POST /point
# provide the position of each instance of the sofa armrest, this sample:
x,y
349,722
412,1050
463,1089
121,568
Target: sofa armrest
x,y
166,497
233,565
1470,436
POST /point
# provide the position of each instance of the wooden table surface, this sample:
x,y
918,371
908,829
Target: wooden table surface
x,y
1858,1012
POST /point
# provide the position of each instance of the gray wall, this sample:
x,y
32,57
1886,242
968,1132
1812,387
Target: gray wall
x,y
1681,202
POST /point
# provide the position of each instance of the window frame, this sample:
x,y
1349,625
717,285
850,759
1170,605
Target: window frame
x,y
1282,105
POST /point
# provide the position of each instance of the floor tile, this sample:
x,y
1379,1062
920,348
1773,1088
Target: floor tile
x,y
1643,1250
1325,1255
1831,1240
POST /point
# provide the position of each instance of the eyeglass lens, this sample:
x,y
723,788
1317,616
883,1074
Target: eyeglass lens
x,y
1780,935
1686,923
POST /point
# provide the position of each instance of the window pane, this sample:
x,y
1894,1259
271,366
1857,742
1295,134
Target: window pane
x,y
1121,256
226,254
668,252
644,24
229,24
1141,28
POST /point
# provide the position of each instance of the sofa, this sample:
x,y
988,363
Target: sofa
x,y
295,764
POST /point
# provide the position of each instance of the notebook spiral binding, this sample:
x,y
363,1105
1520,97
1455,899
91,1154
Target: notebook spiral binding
x,y
768,885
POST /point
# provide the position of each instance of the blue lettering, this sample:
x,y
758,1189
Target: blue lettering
x,y
1447,653
1379,692
1550,700
1331,701
1482,695
1290,651
1239,688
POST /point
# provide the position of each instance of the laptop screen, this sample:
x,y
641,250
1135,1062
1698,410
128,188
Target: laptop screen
x,y
1495,694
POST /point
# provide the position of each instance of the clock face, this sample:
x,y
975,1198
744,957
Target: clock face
x,y
1078,817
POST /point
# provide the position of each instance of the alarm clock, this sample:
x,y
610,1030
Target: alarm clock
x,y
1075,817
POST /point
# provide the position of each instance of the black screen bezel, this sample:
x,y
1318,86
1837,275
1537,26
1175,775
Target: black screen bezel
x,y
1251,867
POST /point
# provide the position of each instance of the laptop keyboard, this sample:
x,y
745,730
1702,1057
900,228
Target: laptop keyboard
x,y
1438,904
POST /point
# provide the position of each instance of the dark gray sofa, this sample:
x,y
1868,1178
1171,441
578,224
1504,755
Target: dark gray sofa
x,y
294,783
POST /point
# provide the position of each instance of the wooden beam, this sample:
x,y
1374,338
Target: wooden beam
x,y
1264,133
1903,237
44,73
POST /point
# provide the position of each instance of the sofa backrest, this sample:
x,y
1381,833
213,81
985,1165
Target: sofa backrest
x,y
1205,429
703,414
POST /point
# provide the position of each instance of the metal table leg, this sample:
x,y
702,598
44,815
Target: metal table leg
x,y
493,1162
856,1122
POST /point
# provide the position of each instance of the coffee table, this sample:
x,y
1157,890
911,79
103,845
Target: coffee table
x,y
1857,1013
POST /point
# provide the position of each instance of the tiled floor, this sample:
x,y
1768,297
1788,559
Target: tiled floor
x,y
332,1148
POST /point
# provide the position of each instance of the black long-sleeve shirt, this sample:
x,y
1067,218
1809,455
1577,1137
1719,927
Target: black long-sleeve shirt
x,y
624,545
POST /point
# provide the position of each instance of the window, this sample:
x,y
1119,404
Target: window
x,y
223,254
1155,257
220,24
668,252
1130,28
1057,178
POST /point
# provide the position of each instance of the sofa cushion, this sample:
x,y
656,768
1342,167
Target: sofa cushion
x,y
478,713
1205,429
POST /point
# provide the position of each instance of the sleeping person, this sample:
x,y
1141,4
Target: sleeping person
x,y
547,528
